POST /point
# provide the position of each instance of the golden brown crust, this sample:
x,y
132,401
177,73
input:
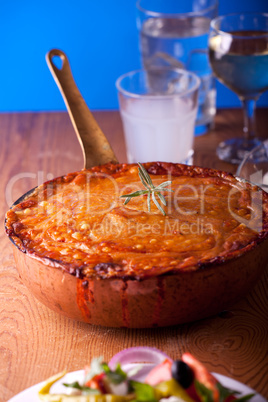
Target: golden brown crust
x,y
79,223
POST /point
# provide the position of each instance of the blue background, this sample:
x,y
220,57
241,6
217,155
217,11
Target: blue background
x,y
100,39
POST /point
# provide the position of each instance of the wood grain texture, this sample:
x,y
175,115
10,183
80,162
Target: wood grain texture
x,y
36,342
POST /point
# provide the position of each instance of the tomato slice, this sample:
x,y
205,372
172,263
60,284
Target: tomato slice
x,y
202,375
160,373
97,383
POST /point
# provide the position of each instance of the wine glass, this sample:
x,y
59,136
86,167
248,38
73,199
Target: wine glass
x,y
238,54
254,166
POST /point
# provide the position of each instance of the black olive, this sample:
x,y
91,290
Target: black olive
x,y
182,373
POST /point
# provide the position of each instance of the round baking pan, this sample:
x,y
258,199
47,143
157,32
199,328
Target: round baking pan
x,y
163,300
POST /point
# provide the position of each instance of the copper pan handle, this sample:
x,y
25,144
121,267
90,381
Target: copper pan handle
x,y
95,146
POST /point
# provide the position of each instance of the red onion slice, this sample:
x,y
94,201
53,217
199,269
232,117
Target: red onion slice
x,y
141,355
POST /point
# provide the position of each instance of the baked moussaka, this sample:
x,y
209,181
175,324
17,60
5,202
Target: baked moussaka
x,y
78,224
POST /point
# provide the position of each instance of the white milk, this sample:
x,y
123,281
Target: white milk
x,y
159,129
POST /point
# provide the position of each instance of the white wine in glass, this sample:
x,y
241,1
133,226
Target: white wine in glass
x,y
238,53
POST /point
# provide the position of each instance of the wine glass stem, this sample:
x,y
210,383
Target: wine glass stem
x,y
249,106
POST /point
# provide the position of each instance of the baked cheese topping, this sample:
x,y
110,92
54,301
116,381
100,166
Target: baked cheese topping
x,y
80,222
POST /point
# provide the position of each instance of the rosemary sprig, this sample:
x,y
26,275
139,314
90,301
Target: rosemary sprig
x,y
151,190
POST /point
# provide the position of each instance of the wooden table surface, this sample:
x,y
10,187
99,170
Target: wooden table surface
x,y
36,342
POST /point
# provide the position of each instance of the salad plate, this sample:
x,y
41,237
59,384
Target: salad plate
x,y
31,394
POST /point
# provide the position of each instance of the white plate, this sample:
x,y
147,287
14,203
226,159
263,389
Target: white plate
x,y
31,394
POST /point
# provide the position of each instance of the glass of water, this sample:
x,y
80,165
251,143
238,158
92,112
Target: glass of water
x,y
158,107
175,34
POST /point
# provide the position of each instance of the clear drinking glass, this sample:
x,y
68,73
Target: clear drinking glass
x,y
238,52
175,33
158,109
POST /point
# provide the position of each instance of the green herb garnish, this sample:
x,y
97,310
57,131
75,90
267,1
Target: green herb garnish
x,y
143,392
116,376
82,388
151,190
203,392
245,398
206,394
225,392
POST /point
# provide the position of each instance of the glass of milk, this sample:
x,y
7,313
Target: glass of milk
x,y
158,108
